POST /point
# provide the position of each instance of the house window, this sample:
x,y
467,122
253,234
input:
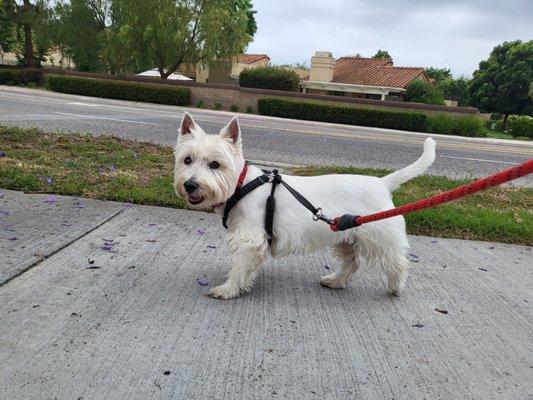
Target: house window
x,y
393,97
373,96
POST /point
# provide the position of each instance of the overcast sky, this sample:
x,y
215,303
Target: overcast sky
x,y
453,34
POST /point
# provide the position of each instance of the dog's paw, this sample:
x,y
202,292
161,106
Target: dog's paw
x,y
332,281
224,292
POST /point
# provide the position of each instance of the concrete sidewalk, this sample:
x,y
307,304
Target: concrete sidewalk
x,y
82,319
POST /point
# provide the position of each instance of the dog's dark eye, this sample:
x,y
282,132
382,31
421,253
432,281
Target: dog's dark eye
x,y
187,160
214,165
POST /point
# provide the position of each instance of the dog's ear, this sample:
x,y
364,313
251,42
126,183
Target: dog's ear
x,y
232,131
187,124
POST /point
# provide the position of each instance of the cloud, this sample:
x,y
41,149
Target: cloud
x,y
453,34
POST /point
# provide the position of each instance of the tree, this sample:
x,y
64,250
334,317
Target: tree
x,y
438,74
382,54
168,33
31,24
455,89
419,91
79,32
501,83
8,35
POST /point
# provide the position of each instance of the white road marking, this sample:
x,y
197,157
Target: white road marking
x,y
107,118
479,159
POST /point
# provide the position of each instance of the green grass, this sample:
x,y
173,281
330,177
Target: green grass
x,y
503,135
115,169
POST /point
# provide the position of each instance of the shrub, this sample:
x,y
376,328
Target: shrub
x,y
234,108
316,111
122,90
460,126
13,76
217,106
469,126
199,104
273,78
440,123
521,125
249,110
9,77
423,92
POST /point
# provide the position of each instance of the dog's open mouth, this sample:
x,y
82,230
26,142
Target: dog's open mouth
x,y
195,199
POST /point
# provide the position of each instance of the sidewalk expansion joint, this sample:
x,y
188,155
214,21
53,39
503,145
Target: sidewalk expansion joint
x,y
74,240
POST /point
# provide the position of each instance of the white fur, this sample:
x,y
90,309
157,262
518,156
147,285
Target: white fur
x,y
382,244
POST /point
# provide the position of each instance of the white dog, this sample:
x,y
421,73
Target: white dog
x,y
207,169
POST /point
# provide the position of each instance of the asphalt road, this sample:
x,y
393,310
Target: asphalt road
x,y
267,140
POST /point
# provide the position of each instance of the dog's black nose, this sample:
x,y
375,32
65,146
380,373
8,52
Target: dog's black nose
x,y
190,186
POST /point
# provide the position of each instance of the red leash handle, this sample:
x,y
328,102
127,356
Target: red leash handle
x,y
343,222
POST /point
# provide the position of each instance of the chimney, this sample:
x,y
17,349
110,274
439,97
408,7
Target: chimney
x,y
322,66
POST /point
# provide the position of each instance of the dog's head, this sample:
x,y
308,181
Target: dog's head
x,y
207,167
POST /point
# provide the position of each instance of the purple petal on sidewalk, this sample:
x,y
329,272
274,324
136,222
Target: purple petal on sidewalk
x,y
1,195
50,199
202,281
491,247
434,241
107,246
211,246
413,258
127,205
13,238
326,266
201,231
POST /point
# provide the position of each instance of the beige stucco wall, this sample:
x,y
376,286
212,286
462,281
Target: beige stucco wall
x,y
202,70
55,59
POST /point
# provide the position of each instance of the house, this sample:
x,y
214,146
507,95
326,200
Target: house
x,y
227,71
354,76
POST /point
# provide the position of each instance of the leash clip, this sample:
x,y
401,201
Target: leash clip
x,y
320,216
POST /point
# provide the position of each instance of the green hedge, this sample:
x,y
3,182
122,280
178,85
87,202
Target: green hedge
x,y
316,111
273,78
521,125
121,90
13,76
446,124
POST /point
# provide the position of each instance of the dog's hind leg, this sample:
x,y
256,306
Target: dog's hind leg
x,y
248,256
350,264
396,275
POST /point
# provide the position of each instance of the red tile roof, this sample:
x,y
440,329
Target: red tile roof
x,y
251,58
373,72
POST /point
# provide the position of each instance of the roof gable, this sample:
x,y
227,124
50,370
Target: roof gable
x,y
251,58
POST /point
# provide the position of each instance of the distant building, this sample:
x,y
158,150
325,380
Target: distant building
x,y
227,71
368,78
55,58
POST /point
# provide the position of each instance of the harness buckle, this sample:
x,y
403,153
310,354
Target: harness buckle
x,y
320,216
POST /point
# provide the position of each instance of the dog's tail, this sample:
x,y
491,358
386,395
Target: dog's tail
x,y
394,180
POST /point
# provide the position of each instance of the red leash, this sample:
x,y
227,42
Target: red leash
x,y
348,221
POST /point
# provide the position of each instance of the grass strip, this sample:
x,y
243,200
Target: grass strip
x,y
111,168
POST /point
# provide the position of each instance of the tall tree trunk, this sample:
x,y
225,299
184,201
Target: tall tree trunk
x,y
28,42
504,123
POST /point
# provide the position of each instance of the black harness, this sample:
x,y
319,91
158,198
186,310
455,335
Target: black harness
x,y
275,178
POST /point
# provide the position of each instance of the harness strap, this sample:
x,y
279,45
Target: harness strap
x,y
275,178
240,193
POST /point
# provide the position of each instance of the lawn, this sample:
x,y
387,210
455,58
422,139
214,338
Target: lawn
x,y
116,169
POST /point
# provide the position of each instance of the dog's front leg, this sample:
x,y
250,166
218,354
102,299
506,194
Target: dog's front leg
x,y
247,259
